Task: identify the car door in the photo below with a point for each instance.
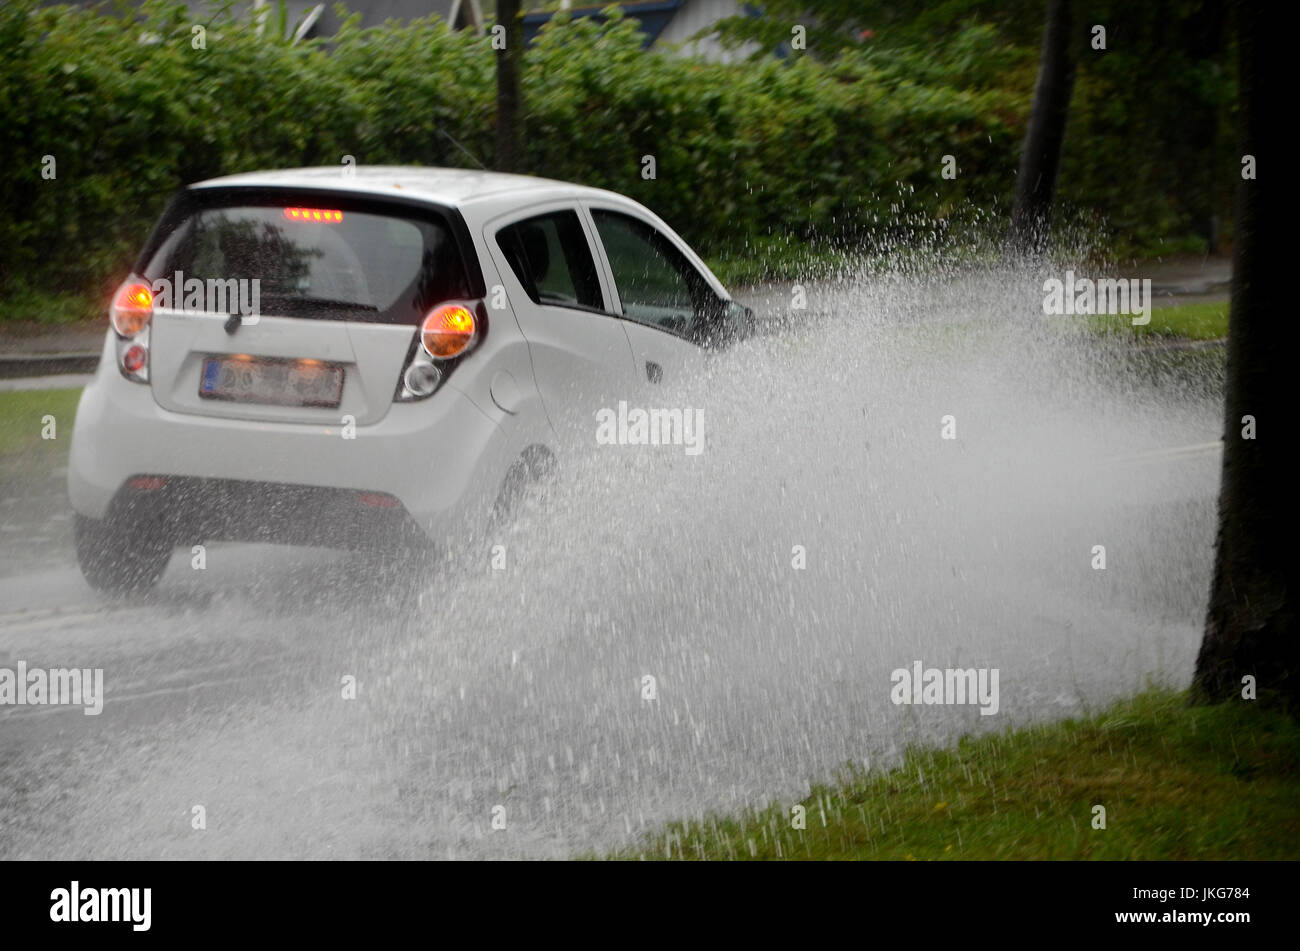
(582, 358)
(670, 307)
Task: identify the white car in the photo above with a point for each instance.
(369, 357)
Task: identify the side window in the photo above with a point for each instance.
(552, 259)
(656, 283)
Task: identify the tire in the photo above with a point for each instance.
(112, 563)
(528, 475)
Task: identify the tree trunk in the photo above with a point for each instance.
(1040, 156)
(509, 63)
(1250, 627)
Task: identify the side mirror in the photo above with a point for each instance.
(728, 322)
(740, 320)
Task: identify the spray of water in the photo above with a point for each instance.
(676, 635)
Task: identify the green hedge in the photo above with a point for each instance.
(746, 155)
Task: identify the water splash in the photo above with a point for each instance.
(520, 695)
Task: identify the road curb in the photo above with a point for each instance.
(47, 364)
(1180, 344)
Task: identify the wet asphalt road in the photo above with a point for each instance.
(523, 690)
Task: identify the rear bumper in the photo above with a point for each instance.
(185, 510)
(441, 459)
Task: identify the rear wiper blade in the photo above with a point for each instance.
(298, 305)
(308, 303)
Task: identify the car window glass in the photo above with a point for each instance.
(552, 259)
(349, 264)
(654, 279)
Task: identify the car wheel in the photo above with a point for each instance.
(526, 477)
(113, 562)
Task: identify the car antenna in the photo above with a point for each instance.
(463, 149)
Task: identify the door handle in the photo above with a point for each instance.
(653, 371)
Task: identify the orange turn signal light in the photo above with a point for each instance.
(448, 331)
(132, 307)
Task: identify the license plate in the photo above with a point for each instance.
(276, 382)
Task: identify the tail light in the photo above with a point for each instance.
(131, 315)
(134, 358)
(447, 333)
(421, 379)
(132, 307)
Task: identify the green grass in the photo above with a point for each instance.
(775, 260)
(1177, 782)
(23, 452)
(49, 309)
(1200, 321)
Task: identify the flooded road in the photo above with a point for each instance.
(664, 635)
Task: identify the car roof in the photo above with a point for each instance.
(446, 186)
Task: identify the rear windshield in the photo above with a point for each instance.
(322, 256)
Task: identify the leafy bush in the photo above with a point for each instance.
(1149, 146)
(745, 155)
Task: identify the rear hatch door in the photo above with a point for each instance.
(279, 305)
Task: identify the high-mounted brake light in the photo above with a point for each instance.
(313, 214)
(447, 331)
(132, 307)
